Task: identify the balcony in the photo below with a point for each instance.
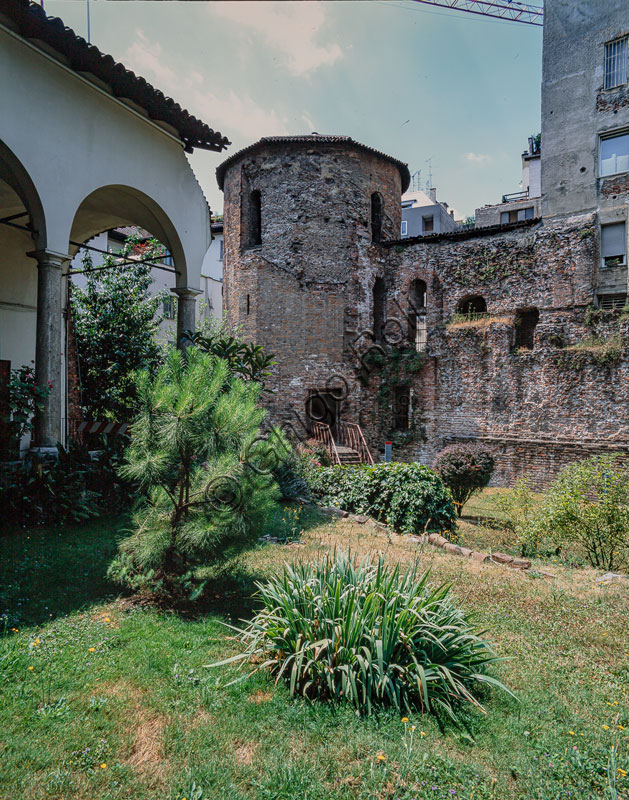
(515, 196)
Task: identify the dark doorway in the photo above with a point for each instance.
(323, 405)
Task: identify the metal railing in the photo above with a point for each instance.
(348, 434)
(515, 196)
(322, 433)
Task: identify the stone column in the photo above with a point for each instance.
(186, 311)
(48, 344)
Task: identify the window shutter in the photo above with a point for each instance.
(613, 240)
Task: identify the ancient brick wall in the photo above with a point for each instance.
(306, 293)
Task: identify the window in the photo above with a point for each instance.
(248, 305)
(429, 224)
(404, 227)
(472, 306)
(614, 154)
(379, 304)
(255, 219)
(377, 208)
(517, 215)
(401, 404)
(220, 249)
(169, 308)
(526, 320)
(417, 330)
(613, 245)
(616, 63)
(612, 302)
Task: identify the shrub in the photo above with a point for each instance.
(520, 508)
(410, 498)
(46, 491)
(465, 469)
(588, 505)
(25, 399)
(369, 636)
(198, 457)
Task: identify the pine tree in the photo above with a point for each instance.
(203, 469)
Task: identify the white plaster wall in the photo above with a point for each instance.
(74, 139)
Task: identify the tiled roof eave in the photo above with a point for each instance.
(29, 20)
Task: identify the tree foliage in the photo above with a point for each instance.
(115, 325)
(203, 469)
(245, 359)
(465, 469)
(588, 505)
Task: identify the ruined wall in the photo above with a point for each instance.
(306, 293)
(538, 408)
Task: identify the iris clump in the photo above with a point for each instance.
(370, 636)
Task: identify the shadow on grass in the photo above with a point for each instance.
(49, 572)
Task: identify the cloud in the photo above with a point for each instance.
(289, 28)
(236, 115)
(477, 158)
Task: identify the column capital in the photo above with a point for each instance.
(49, 257)
(186, 291)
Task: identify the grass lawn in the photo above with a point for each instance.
(101, 697)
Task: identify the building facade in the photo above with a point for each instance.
(495, 334)
(85, 146)
(423, 215)
(523, 204)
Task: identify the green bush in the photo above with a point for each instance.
(204, 470)
(588, 505)
(410, 498)
(520, 508)
(48, 491)
(465, 469)
(368, 636)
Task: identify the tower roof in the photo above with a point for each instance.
(313, 138)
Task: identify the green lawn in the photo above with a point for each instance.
(103, 697)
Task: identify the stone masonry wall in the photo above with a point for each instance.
(306, 293)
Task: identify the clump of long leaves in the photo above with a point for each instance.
(370, 636)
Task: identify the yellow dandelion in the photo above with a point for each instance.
(31, 668)
(621, 727)
(107, 619)
(103, 765)
(623, 772)
(381, 757)
(606, 727)
(572, 733)
(405, 719)
(422, 734)
(91, 649)
(15, 630)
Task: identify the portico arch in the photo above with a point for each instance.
(115, 206)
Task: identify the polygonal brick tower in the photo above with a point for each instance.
(303, 219)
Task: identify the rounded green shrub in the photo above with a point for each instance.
(410, 498)
(369, 636)
(465, 469)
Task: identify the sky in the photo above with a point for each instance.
(447, 92)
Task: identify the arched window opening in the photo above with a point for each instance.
(377, 211)
(472, 306)
(379, 309)
(526, 320)
(255, 219)
(417, 329)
